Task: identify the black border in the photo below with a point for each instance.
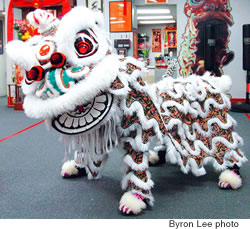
(1, 36)
(131, 18)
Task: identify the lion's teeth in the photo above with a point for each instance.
(69, 122)
(89, 118)
(82, 121)
(99, 106)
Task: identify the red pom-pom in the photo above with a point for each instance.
(36, 73)
(57, 60)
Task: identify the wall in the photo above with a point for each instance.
(9, 63)
(80, 2)
(3, 83)
(240, 12)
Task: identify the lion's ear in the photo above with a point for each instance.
(99, 19)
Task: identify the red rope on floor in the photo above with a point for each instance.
(19, 132)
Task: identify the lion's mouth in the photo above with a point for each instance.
(86, 43)
(216, 15)
(85, 117)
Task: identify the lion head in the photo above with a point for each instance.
(68, 65)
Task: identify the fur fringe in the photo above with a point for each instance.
(97, 142)
(144, 185)
(137, 167)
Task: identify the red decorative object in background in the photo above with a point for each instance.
(11, 95)
(35, 4)
(156, 40)
(120, 22)
(125, 7)
(19, 97)
(135, 42)
(170, 37)
(19, 75)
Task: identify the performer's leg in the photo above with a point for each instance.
(137, 182)
(74, 168)
(157, 156)
(84, 165)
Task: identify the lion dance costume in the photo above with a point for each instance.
(97, 100)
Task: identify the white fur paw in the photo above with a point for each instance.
(129, 203)
(69, 169)
(153, 157)
(229, 179)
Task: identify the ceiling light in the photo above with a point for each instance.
(3, 13)
(153, 11)
(157, 22)
(154, 17)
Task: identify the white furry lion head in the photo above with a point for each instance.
(67, 65)
(70, 47)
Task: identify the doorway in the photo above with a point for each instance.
(157, 36)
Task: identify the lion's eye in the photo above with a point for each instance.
(85, 43)
(196, 3)
(83, 46)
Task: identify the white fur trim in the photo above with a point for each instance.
(230, 177)
(98, 80)
(141, 184)
(132, 202)
(194, 87)
(153, 157)
(132, 164)
(223, 83)
(69, 167)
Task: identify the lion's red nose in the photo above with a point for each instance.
(36, 73)
(57, 60)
